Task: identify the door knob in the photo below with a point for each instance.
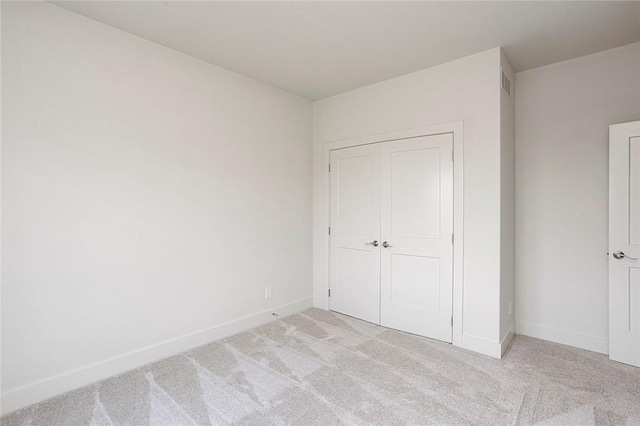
(373, 243)
(616, 254)
(386, 245)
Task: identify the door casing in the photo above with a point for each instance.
(455, 128)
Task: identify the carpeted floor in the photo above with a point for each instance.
(319, 367)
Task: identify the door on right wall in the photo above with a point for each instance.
(624, 243)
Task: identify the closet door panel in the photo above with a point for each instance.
(417, 228)
(354, 277)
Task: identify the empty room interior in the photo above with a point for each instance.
(320, 212)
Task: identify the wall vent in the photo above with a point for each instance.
(506, 83)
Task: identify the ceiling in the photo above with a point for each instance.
(320, 48)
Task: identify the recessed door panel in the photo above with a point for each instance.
(634, 301)
(355, 194)
(634, 191)
(415, 193)
(354, 271)
(415, 282)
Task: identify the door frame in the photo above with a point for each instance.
(455, 128)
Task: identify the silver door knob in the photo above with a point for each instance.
(618, 255)
(386, 245)
(373, 243)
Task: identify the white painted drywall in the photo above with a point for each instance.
(507, 205)
(146, 194)
(563, 113)
(466, 89)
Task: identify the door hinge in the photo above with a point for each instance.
(451, 321)
(452, 239)
(329, 168)
(452, 156)
(329, 292)
(329, 230)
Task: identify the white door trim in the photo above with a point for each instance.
(456, 128)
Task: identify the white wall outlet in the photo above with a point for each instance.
(267, 293)
(510, 307)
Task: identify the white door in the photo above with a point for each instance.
(624, 243)
(355, 232)
(416, 234)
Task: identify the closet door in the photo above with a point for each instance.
(624, 243)
(354, 276)
(416, 233)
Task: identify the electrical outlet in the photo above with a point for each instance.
(510, 307)
(267, 293)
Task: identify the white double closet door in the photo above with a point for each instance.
(391, 237)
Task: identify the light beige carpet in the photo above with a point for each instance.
(323, 368)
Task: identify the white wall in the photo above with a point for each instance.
(507, 205)
(147, 195)
(466, 89)
(563, 112)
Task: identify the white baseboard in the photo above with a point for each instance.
(482, 345)
(565, 337)
(23, 396)
(506, 340)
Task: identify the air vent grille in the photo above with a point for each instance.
(506, 84)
